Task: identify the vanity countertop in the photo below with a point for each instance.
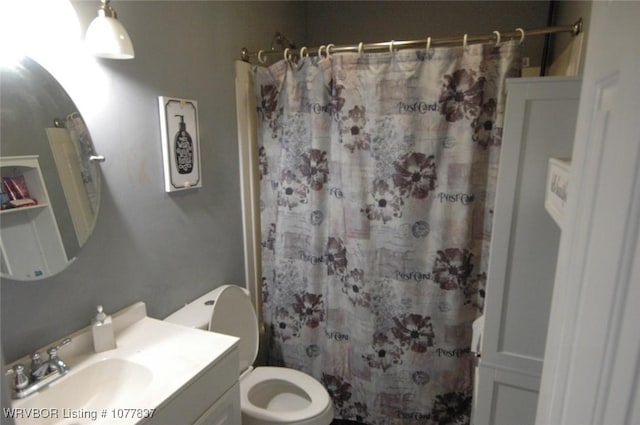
(154, 361)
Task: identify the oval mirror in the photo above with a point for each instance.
(50, 189)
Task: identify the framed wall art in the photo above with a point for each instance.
(180, 143)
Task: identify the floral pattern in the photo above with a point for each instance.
(335, 93)
(284, 326)
(336, 256)
(315, 168)
(354, 287)
(484, 130)
(269, 241)
(310, 309)
(384, 204)
(383, 353)
(268, 99)
(268, 109)
(452, 268)
(292, 191)
(354, 135)
(415, 175)
(414, 332)
(373, 266)
(263, 167)
(355, 411)
(339, 390)
(452, 408)
(462, 94)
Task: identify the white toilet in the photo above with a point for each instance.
(269, 395)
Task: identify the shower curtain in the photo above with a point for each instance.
(377, 179)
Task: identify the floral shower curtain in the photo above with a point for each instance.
(378, 176)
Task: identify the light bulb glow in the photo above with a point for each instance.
(36, 28)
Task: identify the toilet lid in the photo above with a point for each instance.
(233, 314)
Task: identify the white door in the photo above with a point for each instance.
(592, 357)
(540, 119)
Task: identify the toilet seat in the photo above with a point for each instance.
(303, 399)
(268, 395)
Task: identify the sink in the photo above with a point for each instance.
(119, 382)
(129, 385)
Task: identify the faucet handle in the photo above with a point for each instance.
(53, 350)
(38, 367)
(53, 359)
(36, 359)
(20, 381)
(55, 362)
(63, 343)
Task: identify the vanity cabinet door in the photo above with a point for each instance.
(225, 411)
(198, 400)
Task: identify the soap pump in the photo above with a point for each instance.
(103, 334)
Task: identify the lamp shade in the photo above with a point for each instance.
(107, 38)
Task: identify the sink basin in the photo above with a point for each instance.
(119, 383)
(132, 384)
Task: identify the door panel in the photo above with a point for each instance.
(539, 124)
(592, 358)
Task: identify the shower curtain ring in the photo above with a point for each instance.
(497, 33)
(521, 31)
(320, 49)
(329, 47)
(428, 44)
(261, 57)
(304, 50)
(360, 48)
(287, 57)
(464, 42)
(391, 46)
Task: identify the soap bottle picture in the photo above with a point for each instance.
(183, 148)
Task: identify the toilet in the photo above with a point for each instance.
(268, 395)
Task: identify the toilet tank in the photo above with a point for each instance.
(227, 310)
(197, 313)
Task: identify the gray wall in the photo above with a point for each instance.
(164, 249)
(352, 22)
(167, 249)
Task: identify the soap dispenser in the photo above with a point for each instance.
(104, 337)
(184, 148)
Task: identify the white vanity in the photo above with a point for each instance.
(160, 373)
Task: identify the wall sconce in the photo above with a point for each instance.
(106, 36)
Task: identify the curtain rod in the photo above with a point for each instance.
(496, 36)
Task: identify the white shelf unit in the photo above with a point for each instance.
(30, 241)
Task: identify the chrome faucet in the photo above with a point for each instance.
(41, 374)
(55, 362)
(38, 367)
